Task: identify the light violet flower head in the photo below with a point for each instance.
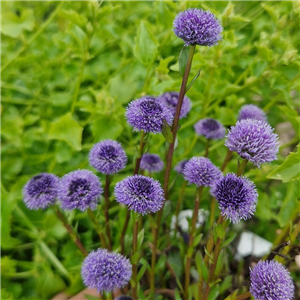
(237, 197)
(198, 27)
(40, 191)
(253, 140)
(180, 166)
(142, 194)
(147, 114)
(270, 280)
(108, 157)
(151, 163)
(79, 189)
(201, 171)
(251, 111)
(106, 270)
(170, 100)
(210, 128)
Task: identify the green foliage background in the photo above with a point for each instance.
(68, 72)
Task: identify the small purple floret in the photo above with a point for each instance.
(270, 280)
(210, 128)
(151, 163)
(198, 27)
(180, 166)
(106, 270)
(40, 191)
(253, 140)
(140, 193)
(79, 189)
(251, 111)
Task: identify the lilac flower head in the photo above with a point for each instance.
(253, 140)
(40, 191)
(140, 193)
(180, 166)
(210, 128)
(251, 111)
(201, 171)
(170, 100)
(79, 189)
(237, 197)
(106, 270)
(147, 114)
(270, 280)
(108, 157)
(198, 27)
(151, 163)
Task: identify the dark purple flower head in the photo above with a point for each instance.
(40, 191)
(151, 163)
(180, 166)
(140, 193)
(79, 189)
(237, 197)
(170, 100)
(201, 171)
(253, 140)
(270, 280)
(198, 27)
(251, 111)
(147, 114)
(106, 270)
(108, 157)
(210, 128)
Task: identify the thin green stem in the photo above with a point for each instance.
(106, 211)
(97, 227)
(206, 148)
(178, 206)
(134, 263)
(241, 167)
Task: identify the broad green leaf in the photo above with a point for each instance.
(106, 128)
(140, 238)
(167, 132)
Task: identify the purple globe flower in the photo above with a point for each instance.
(106, 270)
(108, 157)
(201, 171)
(79, 189)
(253, 140)
(210, 128)
(251, 111)
(180, 166)
(198, 27)
(151, 163)
(270, 280)
(148, 115)
(237, 197)
(170, 100)
(40, 191)
(140, 193)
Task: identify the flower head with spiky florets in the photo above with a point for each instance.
(106, 270)
(210, 128)
(170, 100)
(237, 197)
(251, 111)
(198, 27)
(140, 193)
(148, 114)
(270, 280)
(108, 157)
(201, 171)
(180, 166)
(40, 191)
(151, 163)
(253, 140)
(79, 189)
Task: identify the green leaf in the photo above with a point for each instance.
(229, 240)
(106, 128)
(135, 257)
(90, 297)
(226, 284)
(145, 266)
(68, 130)
(198, 260)
(193, 81)
(220, 231)
(197, 240)
(140, 239)
(183, 58)
(167, 132)
(204, 271)
(177, 295)
(214, 293)
(74, 17)
(258, 67)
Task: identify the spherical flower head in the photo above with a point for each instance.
(140, 193)
(79, 189)
(251, 111)
(270, 280)
(106, 270)
(40, 191)
(170, 100)
(201, 171)
(198, 27)
(237, 197)
(147, 114)
(180, 166)
(253, 140)
(108, 157)
(210, 128)
(151, 163)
